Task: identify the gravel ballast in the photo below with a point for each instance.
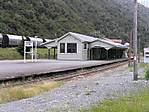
(81, 93)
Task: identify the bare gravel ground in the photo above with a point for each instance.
(81, 93)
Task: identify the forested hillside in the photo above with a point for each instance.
(53, 18)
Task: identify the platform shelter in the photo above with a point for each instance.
(75, 46)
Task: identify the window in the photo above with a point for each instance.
(147, 53)
(62, 47)
(71, 48)
(85, 46)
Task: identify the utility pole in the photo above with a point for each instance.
(139, 50)
(135, 42)
(130, 48)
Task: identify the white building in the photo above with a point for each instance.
(74, 46)
(146, 55)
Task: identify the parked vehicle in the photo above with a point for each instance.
(7, 40)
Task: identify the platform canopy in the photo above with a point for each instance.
(50, 44)
(99, 44)
(107, 44)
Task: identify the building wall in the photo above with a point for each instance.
(71, 56)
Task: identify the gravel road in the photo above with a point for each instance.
(80, 93)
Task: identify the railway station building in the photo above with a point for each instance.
(75, 46)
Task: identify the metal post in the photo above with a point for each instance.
(99, 53)
(90, 54)
(107, 55)
(32, 53)
(135, 67)
(24, 52)
(87, 53)
(36, 49)
(54, 53)
(139, 50)
(129, 56)
(115, 54)
(49, 54)
(130, 48)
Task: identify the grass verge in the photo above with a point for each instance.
(147, 73)
(136, 103)
(146, 69)
(26, 91)
(9, 53)
(12, 54)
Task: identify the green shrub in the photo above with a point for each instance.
(143, 65)
(147, 73)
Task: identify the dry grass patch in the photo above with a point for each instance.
(26, 91)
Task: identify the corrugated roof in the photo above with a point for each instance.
(108, 41)
(89, 39)
(45, 43)
(83, 38)
(48, 40)
(52, 43)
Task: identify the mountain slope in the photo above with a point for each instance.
(53, 18)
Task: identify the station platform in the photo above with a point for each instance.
(10, 69)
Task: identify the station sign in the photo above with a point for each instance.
(146, 55)
(28, 43)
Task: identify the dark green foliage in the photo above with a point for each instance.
(53, 18)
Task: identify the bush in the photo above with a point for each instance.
(147, 74)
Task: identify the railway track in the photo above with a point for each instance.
(91, 71)
(62, 76)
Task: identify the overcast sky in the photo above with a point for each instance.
(144, 2)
